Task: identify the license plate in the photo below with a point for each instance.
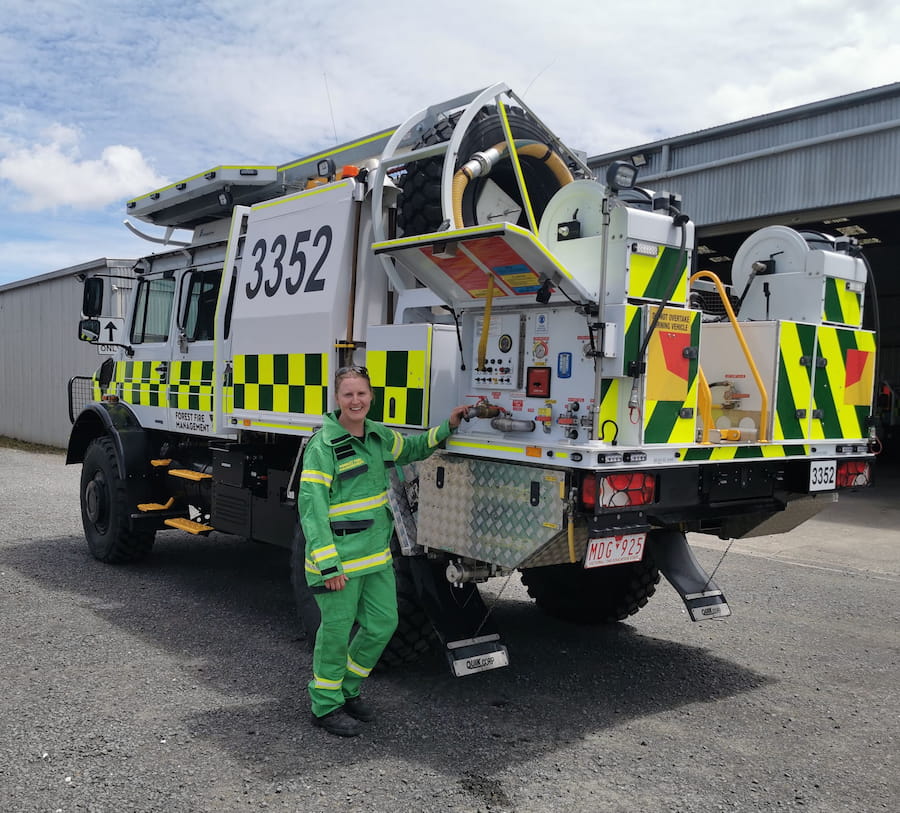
(615, 550)
(822, 475)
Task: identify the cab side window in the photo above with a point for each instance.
(153, 311)
(201, 293)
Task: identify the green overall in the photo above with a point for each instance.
(347, 524)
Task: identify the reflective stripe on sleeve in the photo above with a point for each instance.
(397, 448)
(355, 565)
(313, 476)
(353, 506)
(325, 552)
(433, 437)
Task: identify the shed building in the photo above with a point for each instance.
(39, 350)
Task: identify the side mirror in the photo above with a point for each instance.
(89, 329)
(92, 299)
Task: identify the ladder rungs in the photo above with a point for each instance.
(189, 525)
(155, 506)
(159, 463)
(190, 474)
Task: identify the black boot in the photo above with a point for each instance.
(358, 709)
(338, 722)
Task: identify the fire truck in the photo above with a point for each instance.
(620, 396)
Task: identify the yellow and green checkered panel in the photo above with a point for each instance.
(399, 386)
(281, 382)
(141, 383)
(191, 385)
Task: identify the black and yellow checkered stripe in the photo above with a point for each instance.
(650, 277)
(756, 452)
(191, 385)
(280, 382)
(400, 386)
(841, 306)
(142, 383)
(675, 421)
(793, 394)
(837, 418)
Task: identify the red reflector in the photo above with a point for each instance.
(853, 473)
(589, 491)
(628, 488)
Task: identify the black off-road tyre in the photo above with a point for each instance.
(419, 206)
(106, 507)
(304, 600)
(415, 635)
(599, 595)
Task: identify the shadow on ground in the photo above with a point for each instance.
(225, 607)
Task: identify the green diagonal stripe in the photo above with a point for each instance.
(661, 281)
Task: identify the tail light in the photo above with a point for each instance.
(853, 473)
(618, 490)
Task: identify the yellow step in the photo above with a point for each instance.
(190, 474)
(159, 463)
(155, 506)
(189, 525)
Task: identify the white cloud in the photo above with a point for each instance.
(53, 173)
(185, 86)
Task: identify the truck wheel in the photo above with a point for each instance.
(419, 207)
(106, 507)
(414, 636)
(304, 601)
(596, 596)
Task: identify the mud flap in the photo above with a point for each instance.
(469, 637)
(676, 561)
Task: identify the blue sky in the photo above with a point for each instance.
(102, 101)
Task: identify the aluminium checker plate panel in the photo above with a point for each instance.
(494, 512)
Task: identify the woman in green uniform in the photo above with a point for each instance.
(347, 526)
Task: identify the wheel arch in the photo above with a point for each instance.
(118, 422)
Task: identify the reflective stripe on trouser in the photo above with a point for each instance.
(339, 664)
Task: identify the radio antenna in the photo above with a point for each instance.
(328, 94)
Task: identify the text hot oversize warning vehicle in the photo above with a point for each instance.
(620, 395)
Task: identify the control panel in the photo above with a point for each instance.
(502, 367)
(538, 372)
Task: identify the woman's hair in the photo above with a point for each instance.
(351, 371)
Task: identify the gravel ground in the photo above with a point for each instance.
(179, 684)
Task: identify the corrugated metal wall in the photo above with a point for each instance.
(835, 173)
(832, 153)
(40, 352)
